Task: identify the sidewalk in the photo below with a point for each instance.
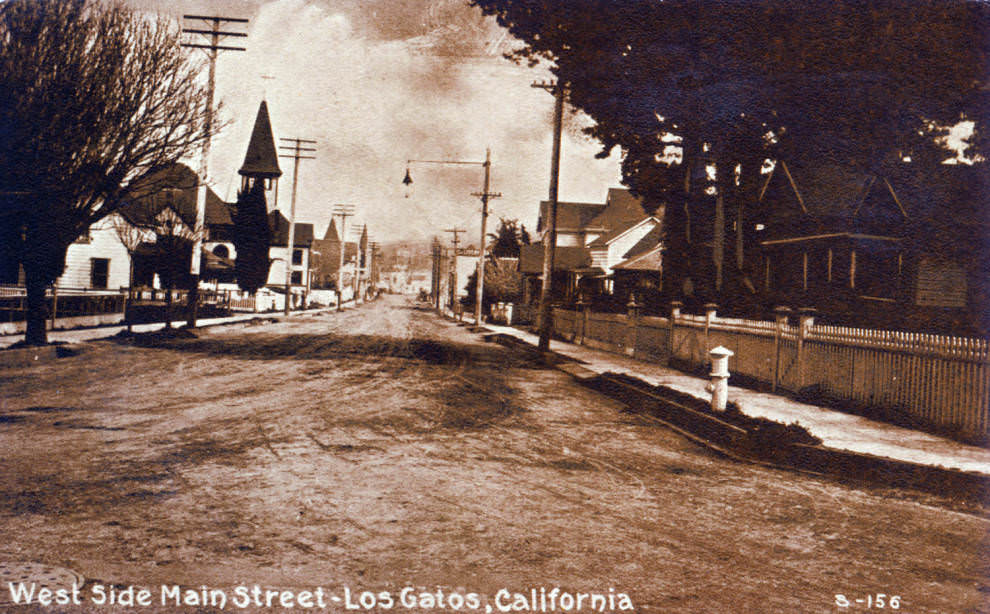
(836, 429)
(79, 335)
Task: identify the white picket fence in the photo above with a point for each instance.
(939, 379)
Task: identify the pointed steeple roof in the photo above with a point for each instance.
(261, 159)
(331, 233)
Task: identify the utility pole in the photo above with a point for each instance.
(453, 282)
(484, 195)
(296, 155)
(344, 211)
(435, 285)
(359, 231)
(213, 49)
(373, 264)
(550, 236)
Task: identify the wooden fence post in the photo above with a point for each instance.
(580, 321)
(632, 321)
(675, 312)
(710, 315)
(806, 319)
(780, 319)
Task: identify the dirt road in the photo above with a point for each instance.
(383, 448)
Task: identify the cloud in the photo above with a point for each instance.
(378, 81)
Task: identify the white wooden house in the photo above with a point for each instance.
(98, 260)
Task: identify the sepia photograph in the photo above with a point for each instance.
(486, 306)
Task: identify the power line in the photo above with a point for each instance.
(213, 48)
(296, 155)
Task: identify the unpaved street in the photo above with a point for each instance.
(382, 448)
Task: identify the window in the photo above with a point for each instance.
(99, 272)
(221, 251)
(297, 256)
(297, 277)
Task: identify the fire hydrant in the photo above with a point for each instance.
(719, 386)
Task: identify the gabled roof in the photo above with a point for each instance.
(826, 191)
(619, 230)
(175, 188)
(570, 215)
(621, 207)
(568, 258)
(303, 232)
(957, 194)
(218, 212)
(261, 159)
(650, 260)
(650, 240)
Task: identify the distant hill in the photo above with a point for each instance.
(414, 255)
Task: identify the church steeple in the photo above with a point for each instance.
(261, 159)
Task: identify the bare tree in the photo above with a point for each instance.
(131, 236)
(93, 98)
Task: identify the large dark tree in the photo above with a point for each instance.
(93, 97)
(173, 257)
(856, 82)
(252, 238)
(506, 239)
(503, 283)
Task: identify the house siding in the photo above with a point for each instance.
(570, 239)
(618, 248)
(600, 258)
(940, 284)
(103, 243)
(276, 274)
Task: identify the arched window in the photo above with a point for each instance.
(221, 251)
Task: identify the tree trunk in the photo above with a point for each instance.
(168, 306)
(740, 238)
(37, 309)
(130, 291)
(718, 230)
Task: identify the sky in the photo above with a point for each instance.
(377, 82)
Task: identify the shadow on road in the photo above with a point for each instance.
(310, 347)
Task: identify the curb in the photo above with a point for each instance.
(29, 356)
(736, 443)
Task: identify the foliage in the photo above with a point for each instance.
(503, 283)
(173, 256)
(856, 82)
(524, 238)
(507, 239)
(93, 97)
(252, 238)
